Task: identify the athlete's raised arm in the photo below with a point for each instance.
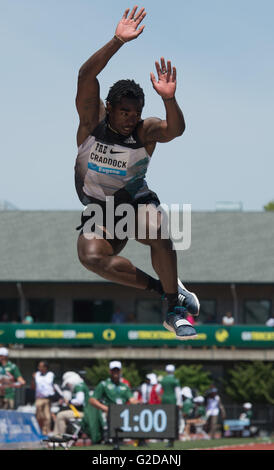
(88, 92)
(157, 130)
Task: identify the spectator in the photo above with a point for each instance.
(188, 405)
(79, 399)
(105, 394)
(111, 390)
(228, 319)
(171, 387)
(43, 384)
(187, 410)
(155, 397)
(247, 411)
(150, 390)
(125, 381)
(199, 407)
(10, 378)
(28, 319)
(270, 321)
(214, 409)
(199, 415)
(118, 316)
(171, 391)
(145, 390)
(150, 394)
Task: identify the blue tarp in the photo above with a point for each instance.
(18, 430)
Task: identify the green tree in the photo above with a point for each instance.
(250, 382)
(97, 372)
(100, 371)
(269, 206)
(192, 376)
(131, 373)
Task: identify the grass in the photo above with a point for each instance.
(182, 445)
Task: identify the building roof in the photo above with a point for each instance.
(225, 247)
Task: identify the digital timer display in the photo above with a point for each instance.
(143, 421)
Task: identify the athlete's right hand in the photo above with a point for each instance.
(127, 27)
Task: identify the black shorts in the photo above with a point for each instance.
(121, 197)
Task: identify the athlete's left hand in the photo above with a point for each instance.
(166, 84)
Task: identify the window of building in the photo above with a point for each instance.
(92, 311)
(149, 311)
(208, 311)
(257, 311)
(9, 310)
(41, 310)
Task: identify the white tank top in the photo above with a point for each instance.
(44, 384)
(108, 162)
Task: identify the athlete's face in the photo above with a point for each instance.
(124, 116)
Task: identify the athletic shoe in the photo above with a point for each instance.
(189, 300)
(176, 323)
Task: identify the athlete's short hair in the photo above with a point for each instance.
(125, 89)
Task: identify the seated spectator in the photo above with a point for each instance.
(199, 407)
(75, 406)
(28, 319)
(246, 412)
(118, 316)
(270, 321)
(228, 319)
(187, 411)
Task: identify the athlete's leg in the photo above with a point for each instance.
(163, 257)
(164, 261)
(101, 257)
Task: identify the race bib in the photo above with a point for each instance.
(108, 159)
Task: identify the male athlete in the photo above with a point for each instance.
(115, 146)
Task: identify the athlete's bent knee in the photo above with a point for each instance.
(92, 261)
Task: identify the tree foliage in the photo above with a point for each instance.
(192, 376)
(100, 371)
(250, 382)
(269, 206)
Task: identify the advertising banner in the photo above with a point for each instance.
(143, 335)
(19, 430)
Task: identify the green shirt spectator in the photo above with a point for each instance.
(81, 387)
(187, 407)
(171, 387)
(199, 407)
(12, 369)
(109, 392)
(112, 390)
(8, 369)
(247, 411)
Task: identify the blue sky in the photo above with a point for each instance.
(223, 51)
